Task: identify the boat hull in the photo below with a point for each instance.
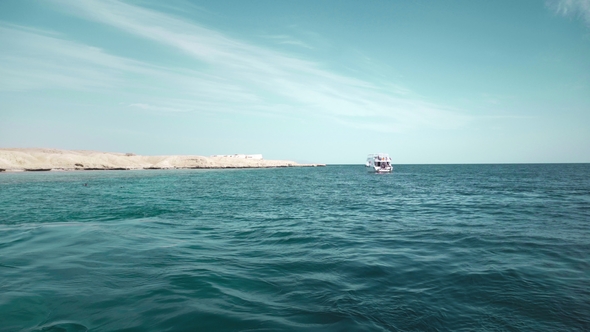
(383, 172)
(380, 170)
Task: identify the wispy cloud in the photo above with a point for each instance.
(288, 40)
(236, 76)
(579, 8)
(148, 107)
(33, 59)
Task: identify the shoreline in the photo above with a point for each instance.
(55, 160)
(148, 168)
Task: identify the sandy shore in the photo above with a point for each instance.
(14, 160)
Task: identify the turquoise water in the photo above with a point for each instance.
(427, 248)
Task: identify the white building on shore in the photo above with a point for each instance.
(242, 156)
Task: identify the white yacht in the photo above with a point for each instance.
(379, 163)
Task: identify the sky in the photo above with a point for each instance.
(330, 81)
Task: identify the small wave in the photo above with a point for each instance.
(62, 327)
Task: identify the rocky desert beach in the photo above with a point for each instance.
(36, 159)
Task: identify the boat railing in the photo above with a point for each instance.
(379, 156)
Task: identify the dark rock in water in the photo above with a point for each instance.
(37, 169)
(117, 169)
(94, 169)
(152, 168)
(2, 170)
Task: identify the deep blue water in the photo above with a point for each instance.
(427, 248)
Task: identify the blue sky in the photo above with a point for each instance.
(319, 81)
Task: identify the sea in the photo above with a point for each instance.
(499, 247)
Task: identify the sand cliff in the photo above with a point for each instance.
(69, 160)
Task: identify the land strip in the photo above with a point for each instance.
(32, 159)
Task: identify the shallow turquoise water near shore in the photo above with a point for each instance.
(427, 248)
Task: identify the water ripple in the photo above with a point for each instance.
(427, 248)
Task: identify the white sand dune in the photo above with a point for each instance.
(54, 159)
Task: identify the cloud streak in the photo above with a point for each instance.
(149, 107)
(234, 76)
(288, 40)
(579, 8)
(33, 59)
